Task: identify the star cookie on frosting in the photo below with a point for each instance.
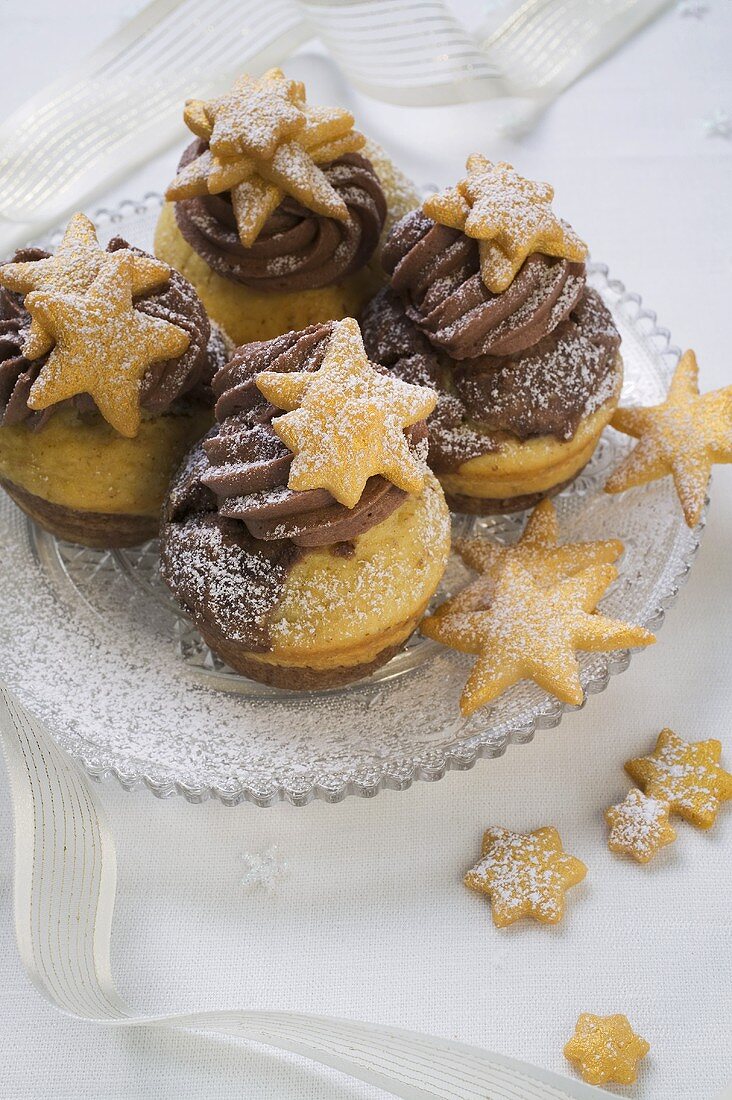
(264, 142)
(684, 437)
(345, 422)
(639, 826)
(532, 632)
(103, 345)
(605, 1048)
(524, 875)
(73, 268)
(686, 775)
(538, 551)
(510, 217)
(255, 116)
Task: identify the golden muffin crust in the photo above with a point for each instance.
(341, 615)
(87, 466)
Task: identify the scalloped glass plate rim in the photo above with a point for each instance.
(464, 753)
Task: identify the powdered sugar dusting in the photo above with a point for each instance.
(639, 826)
(377, 584)
(510, 216)
(686, 775)
(264, 142)
(525, 874)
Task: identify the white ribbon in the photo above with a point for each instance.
(123, 103)
(64, 885)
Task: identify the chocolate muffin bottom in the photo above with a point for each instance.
(299, 678)
(103, 531)
(486, 506)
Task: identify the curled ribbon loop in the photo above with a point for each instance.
(65, 878)
(123, 103)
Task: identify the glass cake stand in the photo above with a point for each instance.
(92, 644)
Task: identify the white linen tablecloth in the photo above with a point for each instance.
(372, 920)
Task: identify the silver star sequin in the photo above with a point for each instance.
(717, 124)
(264, 870)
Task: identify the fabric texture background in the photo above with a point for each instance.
(372, 920)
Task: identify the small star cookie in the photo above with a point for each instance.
(683, 437)
(524, 875)
(605, 1048)
(73, 268)
(537, 550)
(103, 345)
(532, 632)
(345, 422)
(686, 775)
(511, 217)
(639, 826)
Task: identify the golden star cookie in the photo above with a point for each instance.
(345, 422)
(605, 1048)
(265, 142)
(524, 875)
(532, 632)
(255, 116)
(539, 552)
(511, 217)
(683, 437)
(686, 775)
(103, 345)
(639, 826)
(73, 268)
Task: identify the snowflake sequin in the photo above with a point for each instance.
(693, 8)
(264, 870)
(718, 124)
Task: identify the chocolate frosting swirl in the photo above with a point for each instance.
(296, 249)
(166, 381)
(243, 467)
(436, 272)
(543, 390)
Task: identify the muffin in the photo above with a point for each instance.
(278, 209)
(488, 303)
(106, 360)
(305, 535)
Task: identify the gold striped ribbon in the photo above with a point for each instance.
(64, 891)
(123, 103)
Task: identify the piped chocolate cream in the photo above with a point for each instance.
(297, 249)
(436, 272)
(165, 383)
(231, 524)
(530, 361)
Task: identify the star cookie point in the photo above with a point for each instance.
(533, 632)
(102, 345)
(509, 216)
(345, 422)
(682, 437)
(639, 826)
(524, 875)
(255, 116)
(605, 1049)
(686, 775)
(537, 549)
